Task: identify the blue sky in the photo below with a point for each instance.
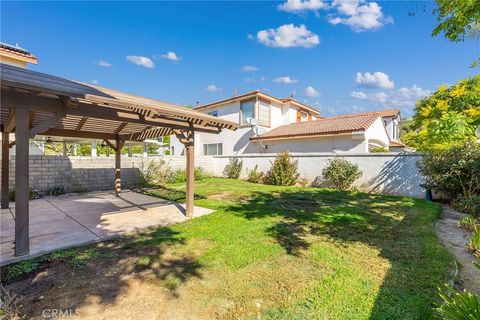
(340, 57)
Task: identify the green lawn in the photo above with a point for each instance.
(274, 252)
(317, 253)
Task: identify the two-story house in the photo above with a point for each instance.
(393, 121)
(285, 124)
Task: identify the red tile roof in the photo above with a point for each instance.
(17, 52)
(252, 94)
(324, 126)
(389, 112)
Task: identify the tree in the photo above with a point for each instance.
(449, 116)
(457, 19)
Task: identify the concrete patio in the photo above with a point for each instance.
(77, 219)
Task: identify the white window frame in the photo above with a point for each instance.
(218, 147)
(269, 108)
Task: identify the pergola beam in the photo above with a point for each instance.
(46, 124)
(10, 125)
(53, 105)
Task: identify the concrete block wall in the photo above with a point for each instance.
(389, 173)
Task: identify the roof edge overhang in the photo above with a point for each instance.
(303, 136)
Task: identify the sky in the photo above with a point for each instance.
(341, 56)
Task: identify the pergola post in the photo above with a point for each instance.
(65, 151)
(144, 149)
(94, 148)
(118, 163)
(188, 141)
(5, 168)
(22, 193)
(130, 150)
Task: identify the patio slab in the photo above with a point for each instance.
(77, 219)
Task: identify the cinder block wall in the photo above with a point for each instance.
(388, 173)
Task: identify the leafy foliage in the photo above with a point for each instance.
(468, 223)
(284, 171)
(468, 204)
(454, 171)
(181, 175)
(473, 244)
(233, 168)
(255, 176)
(447, 117)
(458, 19)
(457, 306)
(378, 149)
(154, 171)
(340, 173)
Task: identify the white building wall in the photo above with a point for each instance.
(339, 144)
(376, 134)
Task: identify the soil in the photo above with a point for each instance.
(455, 240)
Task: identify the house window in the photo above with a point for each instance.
(212, 149)
(213, 113)
(263, 114)
(304, 116)
(247, 110)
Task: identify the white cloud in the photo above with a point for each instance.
(285, 80)
(213, 88)
(94, 81)
(288, 36)
(301, 5)
(262, 78)
(102, 63)
(141, 61)
(358, 95)
(311, 92)
(172, 56)
(359, 15)
(403, 97)
(375, 80)
(248, 68)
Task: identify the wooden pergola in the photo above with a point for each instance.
(35, 103)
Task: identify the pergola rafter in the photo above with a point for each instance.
(35, 103)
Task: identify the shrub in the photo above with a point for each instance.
(284, 171)
(378, 149)
(32, 194)
(179, 176)
(473, 244)
(454, 171)
(468, 223)
(153, 171)
(233, 168)
(57, 191)
(340, 173)
(255, 176)
(457, 305)
(468, 204)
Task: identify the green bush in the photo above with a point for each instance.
(468, 204)
(468, 223)
(179, 176)
(233, 168)
(454, 171)
(255, 176)
(340, 173)
(57, 191)
(458, 306)
(473, 244)
(284, 171)
(32, 194)
(154, 171)
(378, 149)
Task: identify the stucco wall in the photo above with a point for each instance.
(390, 173)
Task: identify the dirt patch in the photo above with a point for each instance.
(455, 240)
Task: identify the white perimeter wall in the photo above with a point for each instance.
(389, 173)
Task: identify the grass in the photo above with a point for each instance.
(276, 253)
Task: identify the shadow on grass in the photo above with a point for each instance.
(400, 228)
(58, 283)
